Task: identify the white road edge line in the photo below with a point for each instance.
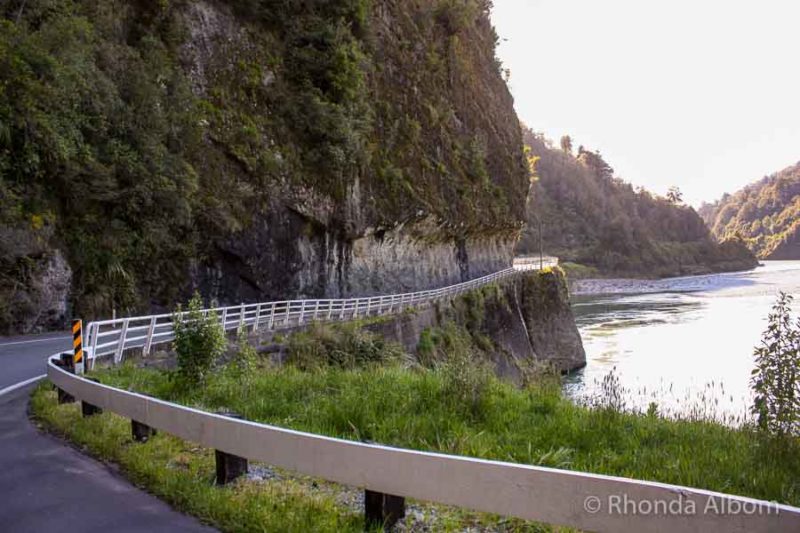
(21, 384)
(31, 342)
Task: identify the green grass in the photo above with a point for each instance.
(418, 409)
(579, 271)
(182, 474)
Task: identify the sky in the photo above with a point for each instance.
(701, 94)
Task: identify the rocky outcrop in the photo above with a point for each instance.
(517, 323)
(442, 203)
(257, 150)
(34, 281)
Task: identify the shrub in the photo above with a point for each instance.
(245, 359)
(451, 351)
(774, 381)
(199, 341)
(344, 346)
(611, 397)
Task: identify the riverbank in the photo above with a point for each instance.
(609, 286)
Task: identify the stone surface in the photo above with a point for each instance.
(528, 319)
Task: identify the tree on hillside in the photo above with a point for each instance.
(595, 161)
(674, 195)
(566, 144)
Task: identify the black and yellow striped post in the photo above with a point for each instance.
(77, 345)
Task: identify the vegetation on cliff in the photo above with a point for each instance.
(592, 218)
(765, 214)
(140, 139)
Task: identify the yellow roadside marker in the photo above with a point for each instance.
(77, 342)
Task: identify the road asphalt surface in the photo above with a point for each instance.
(47, 486)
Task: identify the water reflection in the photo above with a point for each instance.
(684, 343)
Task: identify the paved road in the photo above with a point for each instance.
(22, 358)
(46, 486)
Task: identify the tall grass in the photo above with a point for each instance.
(416, 408)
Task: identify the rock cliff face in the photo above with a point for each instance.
(253, 149)
(517, 323)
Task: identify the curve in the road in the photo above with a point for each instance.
(47, 486)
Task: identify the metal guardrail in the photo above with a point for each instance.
(115, 337)
(586, 501)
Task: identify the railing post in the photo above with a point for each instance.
(224, 319)
(382, 510)
(369, 305)
(229, 467)
(288, 308)
(94, 331)
(258, 318)
(141, 432)
(121, 342)
(316, 310)
(271, 316)
(330, 310)
(302, 313)
(148, 342)
(241, 316)
(65, 361)
(88, 409)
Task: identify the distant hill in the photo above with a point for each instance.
(765, 214)
(597, 220)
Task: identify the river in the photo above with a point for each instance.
(684, 343)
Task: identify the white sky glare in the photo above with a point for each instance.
(702, 94)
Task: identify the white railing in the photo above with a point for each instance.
(115, 337)
(582, 500)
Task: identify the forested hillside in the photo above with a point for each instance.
(595, 219)
(251, 149)
(765, 214)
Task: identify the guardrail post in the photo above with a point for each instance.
(141, 432)
(94, 330)
(121, 342)
(224, 319)
(241, 316)
(229, 467)
(148, 342)
(382, 510)
(88, 409)
(257, 322)
(65, 361)
(271, 316)
(302, 313)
